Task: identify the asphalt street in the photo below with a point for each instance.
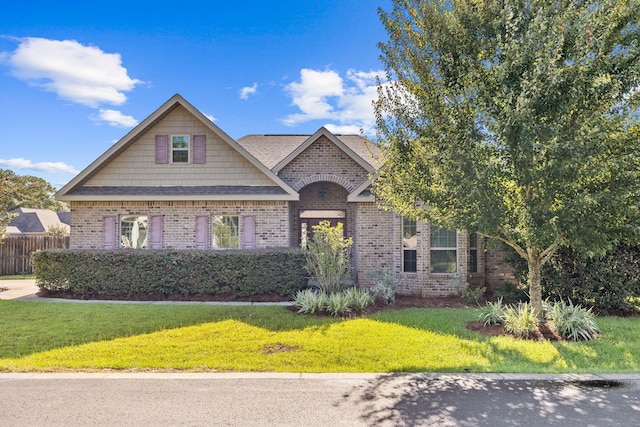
(245, 399)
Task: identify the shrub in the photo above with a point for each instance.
(511, 293)
(338, 304)
(493, 313)
(520, 320)
(384, 286)
(327, 255)
(139, 273)
(573, 321)
(359, 298)
(309, 301)
(473, 295)
(608, 283)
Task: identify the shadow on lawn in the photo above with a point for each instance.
(468, 400)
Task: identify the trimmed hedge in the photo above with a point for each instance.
(140, 273)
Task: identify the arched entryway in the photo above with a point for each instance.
(321, 201)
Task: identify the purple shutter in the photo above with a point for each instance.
(155, 240)
(109, 232)
(202, 232)
(162, 149)
(199, 149)
(248, 232)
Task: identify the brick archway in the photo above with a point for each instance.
(323, 177)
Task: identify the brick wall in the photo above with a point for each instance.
(272, 220)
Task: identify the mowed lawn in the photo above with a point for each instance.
(93, 336)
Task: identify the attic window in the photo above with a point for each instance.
(180, 149)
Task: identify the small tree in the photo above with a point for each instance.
(327, 255)
(518, 120)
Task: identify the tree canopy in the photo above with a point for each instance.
(26, 191)
(516, 119)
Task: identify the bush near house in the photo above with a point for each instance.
(138, 273)
(609, 284)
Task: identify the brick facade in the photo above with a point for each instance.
(272, 220)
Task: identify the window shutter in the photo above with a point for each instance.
(248, 232)
(155, 241)
(109, 232)
(162, 149)
(202, 232)
(199, 149)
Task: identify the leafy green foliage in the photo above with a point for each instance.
(473, 295)
(132, 273)
(24, 192)
(608, 283)
(384, 286)
(520, 320)
(573, 322)
(327, 255)
(493, 313)
(359, 298)
(517, 120)
(511, 293)
(310, 301)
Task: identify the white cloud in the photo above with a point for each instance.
(248, 90)
(325, 95)
(115, 118)
(75, 72)
(21, 163)
(210, 117)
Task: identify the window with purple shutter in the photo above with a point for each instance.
(248, 232)
(162, 149)
(109, 232)
(155, 241)
(202, 231)
(199, 149)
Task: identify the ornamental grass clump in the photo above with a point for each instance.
(309, 301)
(573, 322)
(493, 313)
(520, 320)
(359, 298)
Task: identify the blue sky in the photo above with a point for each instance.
(74, 79)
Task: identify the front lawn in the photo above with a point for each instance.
(71, 336)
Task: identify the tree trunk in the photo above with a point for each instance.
(535, 289)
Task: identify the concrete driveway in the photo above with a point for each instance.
(22, 289)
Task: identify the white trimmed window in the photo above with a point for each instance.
(409, 246)
(133, 231)
(444, 253)
(225, 230)
(180, 149)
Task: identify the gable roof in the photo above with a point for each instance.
(35, 221)
(276, 151)
(75, 189)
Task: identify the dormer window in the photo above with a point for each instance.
(180, 149)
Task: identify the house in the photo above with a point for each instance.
(177, 181)
(37, 222)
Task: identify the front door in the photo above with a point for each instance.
(310, 218)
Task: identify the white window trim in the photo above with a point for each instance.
(445, 248)
(188, 149)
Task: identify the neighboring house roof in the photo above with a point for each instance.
(34, 221)
(275, 151)
(77, 188)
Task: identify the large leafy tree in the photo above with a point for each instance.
(517, 119)
(26, 191)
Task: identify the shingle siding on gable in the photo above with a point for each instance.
(222, 165)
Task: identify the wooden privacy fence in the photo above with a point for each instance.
(15, 251)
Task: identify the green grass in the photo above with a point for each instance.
(18, 276)
(70, 336)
